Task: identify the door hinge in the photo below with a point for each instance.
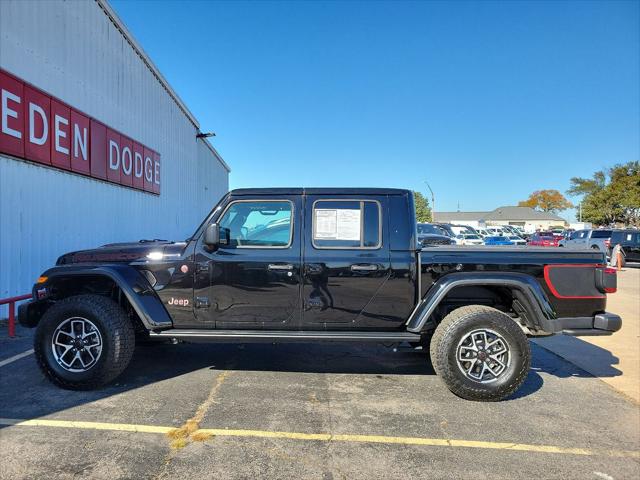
(202, 302)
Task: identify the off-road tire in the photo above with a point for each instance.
(118, 341)
(459, 323)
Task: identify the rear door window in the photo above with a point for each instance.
(601, 234)
(354, 224)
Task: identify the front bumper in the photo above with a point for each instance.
(29, 313)
(601, 324)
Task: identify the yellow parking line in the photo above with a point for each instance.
(326, 437)
(115, 427)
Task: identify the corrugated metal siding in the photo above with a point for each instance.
(73, 51)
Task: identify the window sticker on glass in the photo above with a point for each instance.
(326, 224)
(348, 225)
(337, 224)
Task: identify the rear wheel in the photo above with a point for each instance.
(83, 342)
(480, 353)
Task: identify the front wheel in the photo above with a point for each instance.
(84, 342)
(480, 353)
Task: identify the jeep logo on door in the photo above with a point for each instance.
(183, 302)
(38, 127)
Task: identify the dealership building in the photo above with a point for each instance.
(95, 145)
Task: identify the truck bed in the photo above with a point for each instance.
(508, 254)
(568, 293)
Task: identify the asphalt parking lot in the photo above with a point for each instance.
(310, 411)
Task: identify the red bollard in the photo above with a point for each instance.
(12, 311)
(12, 319)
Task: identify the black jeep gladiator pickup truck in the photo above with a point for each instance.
(307, 265)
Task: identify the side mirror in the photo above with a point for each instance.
(212, 235)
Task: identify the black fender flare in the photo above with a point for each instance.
(136, 288)
(526, 289)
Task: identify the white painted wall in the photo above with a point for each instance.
(73, 51)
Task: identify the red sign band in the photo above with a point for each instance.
(39, 127)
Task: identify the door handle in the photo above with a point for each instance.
(364, 267)
(202, 267)
(280, 266)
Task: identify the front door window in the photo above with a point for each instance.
(254, 224)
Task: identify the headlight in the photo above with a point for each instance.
(155, 255)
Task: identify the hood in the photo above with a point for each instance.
(122, 252)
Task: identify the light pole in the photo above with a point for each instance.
(580, 210)
(433, 203)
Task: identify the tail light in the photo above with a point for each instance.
(610, 280)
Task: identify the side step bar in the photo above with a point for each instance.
(244, 336)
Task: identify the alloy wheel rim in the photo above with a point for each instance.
(483, 355)
(76, 344)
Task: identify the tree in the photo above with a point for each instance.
(423, 210)
(547, 201)
(610, 196)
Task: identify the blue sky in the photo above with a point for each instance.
(487, 101)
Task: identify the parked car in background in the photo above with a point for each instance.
(517, 240)
(430, 235)
(446, 229)
(495, 231)
(510, 230)
(629, 240)
(497, 240)
(463, 230)
(566, 233)
(482, 232)
(599, 239)
(544, 239)
(469, 239)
